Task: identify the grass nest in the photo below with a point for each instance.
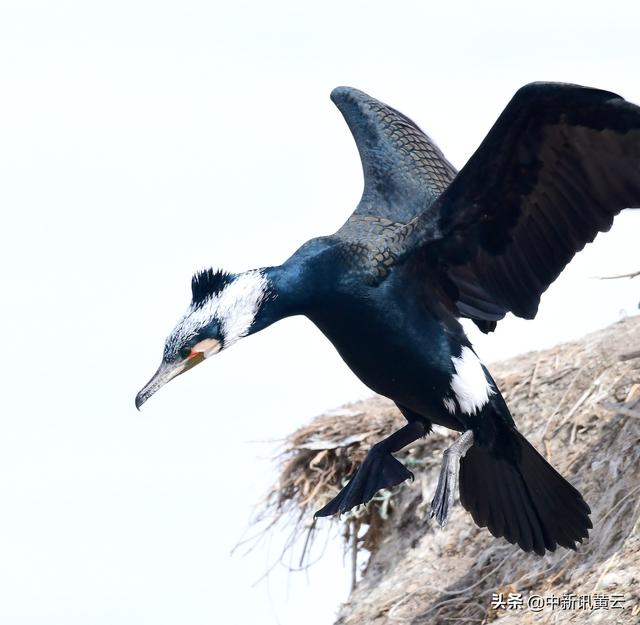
(578, 403)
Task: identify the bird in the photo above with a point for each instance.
(427, 246)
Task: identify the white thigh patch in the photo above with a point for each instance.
(450, 404)
(469, 383)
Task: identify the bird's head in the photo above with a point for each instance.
(223, 309)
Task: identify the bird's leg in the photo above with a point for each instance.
(448, 480)
(379, 470)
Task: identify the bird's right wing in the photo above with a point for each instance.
(404, 171)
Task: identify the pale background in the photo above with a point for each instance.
(140, 141)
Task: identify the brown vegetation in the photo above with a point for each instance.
(579, 403)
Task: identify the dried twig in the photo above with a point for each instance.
(577, 382)
(620, 409)
(633, 274)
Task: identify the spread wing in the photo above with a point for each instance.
(560, 162)
(404, 171)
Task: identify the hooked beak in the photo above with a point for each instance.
(169, 370)
(166, 371)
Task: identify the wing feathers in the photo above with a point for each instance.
(558, 165)
(404, 171)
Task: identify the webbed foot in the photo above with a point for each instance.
(379, 470)
(448, 480)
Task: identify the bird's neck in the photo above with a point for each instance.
(284, 296)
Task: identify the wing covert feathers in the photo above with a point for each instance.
(559, 163)
(404, 171)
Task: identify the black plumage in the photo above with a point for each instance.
(425, 246)
(207, 283)
(557, 166)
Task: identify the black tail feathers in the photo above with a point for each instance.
(522, 498)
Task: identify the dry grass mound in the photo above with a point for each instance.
(579, 403)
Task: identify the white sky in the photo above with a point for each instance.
(140, 141)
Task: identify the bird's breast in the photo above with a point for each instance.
(398, 350)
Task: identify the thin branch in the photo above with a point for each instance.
(633, 274)
(623, 410)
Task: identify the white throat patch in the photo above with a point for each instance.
(235, 307)
(469, 383)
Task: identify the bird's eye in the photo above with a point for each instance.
(185, 352)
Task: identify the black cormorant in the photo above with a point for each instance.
(425, 246)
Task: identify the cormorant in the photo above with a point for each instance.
(425, 246)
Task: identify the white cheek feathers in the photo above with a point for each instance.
(234, 308)
(237, 305)
(469, 383)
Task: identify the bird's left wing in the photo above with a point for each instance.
(560, 162)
